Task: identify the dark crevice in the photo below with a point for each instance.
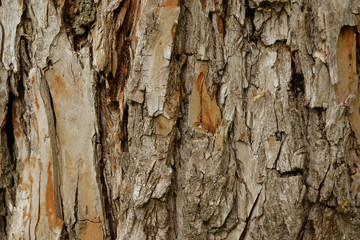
(292, 173)
(51, 105)
(279, 135)
(297, 84)
(2, 41)
(64, 235)
(76, 207)
(3, 213)
(249, 22)
(278, 155)
(109, 210)
(124, 132)
(78, 18)
(176, 167)
(25, 55)
(26, 41)
(8, 163)
(265, 4)
(323, 181)
(8, 167)
(177, 84)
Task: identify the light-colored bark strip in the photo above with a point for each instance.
(71, 84)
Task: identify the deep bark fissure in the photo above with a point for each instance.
(249, 23)
(9, 131)
(4, 212)
(124, 135)
(297, 79)
(2, 42)
(110, 221)
(248, 219)
(56, 170)
(72, 228)
(7, 184)
(358, 56)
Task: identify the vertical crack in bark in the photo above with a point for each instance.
(110, 221)
(358, 52)
(124, 135)
(49, 105)
(4, 212)
(109, 210)
(322, 182)
(297, 84)
(25, 55)
(100, 169)
(249, 218)
(249, 22)
(2, 41)
(72, 228)
(8, 166)
(8, 175)
(113, 112)
(110, 215)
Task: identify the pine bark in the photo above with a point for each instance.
(168, 119)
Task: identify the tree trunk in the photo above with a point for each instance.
(192, 119)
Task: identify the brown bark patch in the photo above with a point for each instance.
(54, 221)
(90, 230)
(219, 142)
(37, 103)
(59, 84)
(346, 64)
(35, 125)
(271, 141)
(203, 5)
(171, 3)
(347, 75)
(220, 24)
(163, 126)
(206, 114)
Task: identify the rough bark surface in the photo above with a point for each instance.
(190, 119)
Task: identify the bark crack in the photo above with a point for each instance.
(50, 112)
(249, 218)
(8, 165)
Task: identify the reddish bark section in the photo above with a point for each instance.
(209, 116)
(347, 86)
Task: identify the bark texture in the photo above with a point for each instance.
(190, 119)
